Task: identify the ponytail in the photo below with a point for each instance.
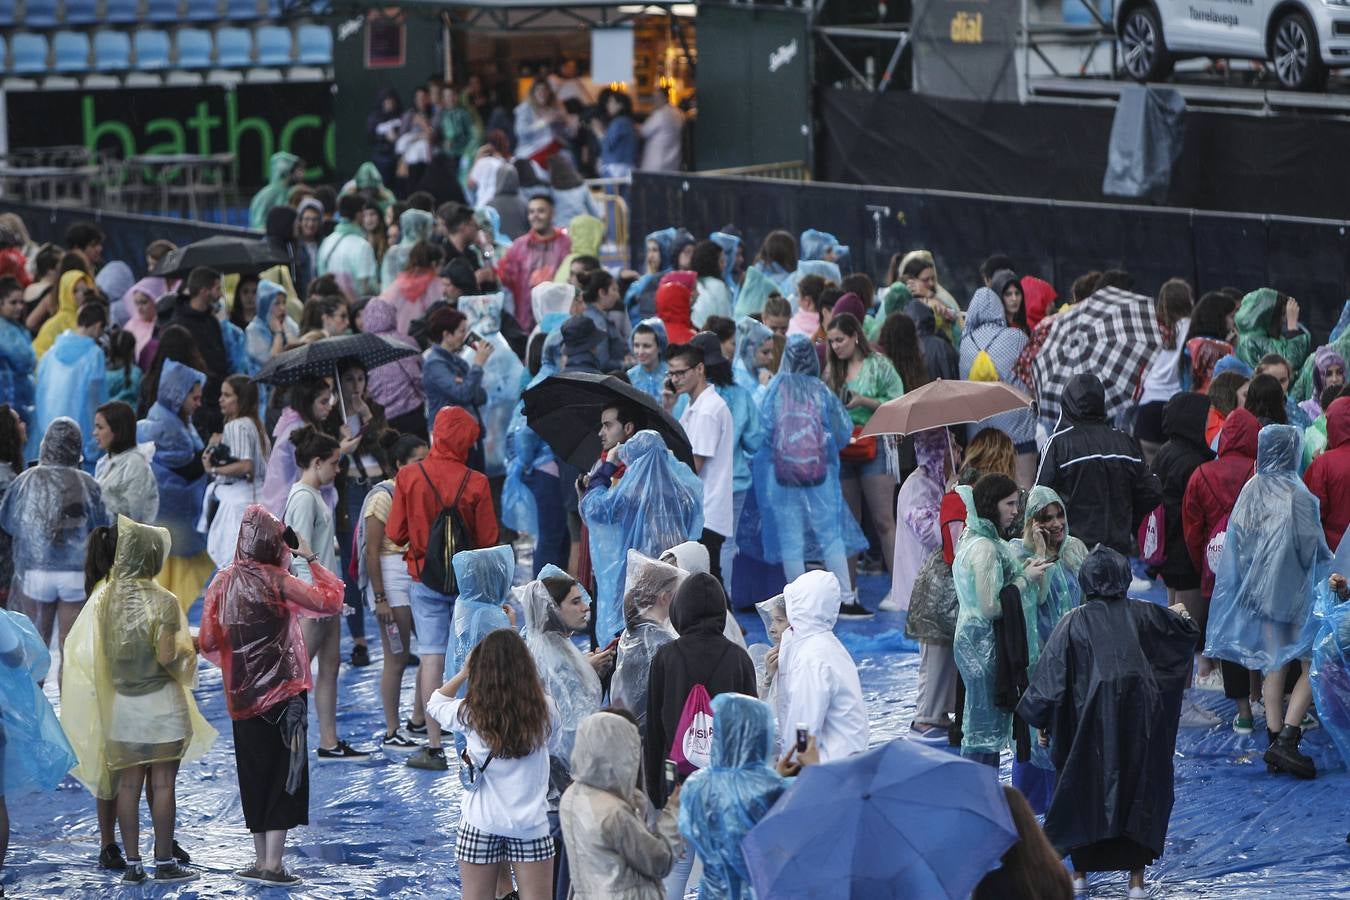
(98, 556)
(311, 444)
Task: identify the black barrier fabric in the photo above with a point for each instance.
(1056, 241)
(1281, 165)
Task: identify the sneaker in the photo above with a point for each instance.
(1140, 585)
(398, 742)
(343, 752)
(869, 565)
(360, 655)
(1195, 716)
(1138, 893)
(932, 735)
(180, 854)
(135, 873)
(279, 878)
(432, 758)
(889, 603)
(253, 875)
(418, 729)
(1080, 887)
(110, 857)
(1242, 724)
(1211, 682)
(171, 873)
(1310, 721)
(854, 610)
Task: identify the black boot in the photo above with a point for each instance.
(1284, 755)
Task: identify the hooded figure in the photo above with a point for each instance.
(258, 336)
(653, 382)
(275, 191)
(640, 298)
(71, 381)
(751, 335)
(503, 375)
(773, 613)
(17, 363)
(658, 503)
(50, 508)
(613, 854)
(282, 472)
(1098, 470)
(987, 330)
(396, 386)
(526, 452)
(510, 206)
(484, 579)
(587, 233)
(490, 224)
(176, 464)
(1108, 691)
(700, 655)
(67, 307)
(720, 804)
(731, 249)
(1213, 489)
(348, 256)
(1323, 361)
(648, 583)
(1038, 299)
(1329, 475)
(125, 704)
(821, 245)
(370, 182)
(413, 225)
(564, 670)
(692, 557)
(1255, 318)
(1059, 591)
(673, 299)
(1274, 558)
(916, 511)
(939, 356)
(1183, 423)
(37, 752)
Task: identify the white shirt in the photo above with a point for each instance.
(484, 176)
(707, 422)
(512, 800)
(661, 140)
(1162, 378)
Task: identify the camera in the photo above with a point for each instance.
(221, 455)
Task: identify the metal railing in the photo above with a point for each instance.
(793, 170)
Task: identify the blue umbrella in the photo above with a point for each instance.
(900, 820)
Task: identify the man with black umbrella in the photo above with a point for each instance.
(195, 310)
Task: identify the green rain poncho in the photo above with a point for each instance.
(1058, 591)
(587, 233)
(1253, 322)
(274, 192)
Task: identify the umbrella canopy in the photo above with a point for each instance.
(565, 411)
(224, 254)
(942, 403)
(900, 820)
(323, 356)
(1113, 334)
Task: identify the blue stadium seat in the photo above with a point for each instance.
(161, 10)
(274, 45)
(39, 13)
(70, 51)
(81, 12)
(112, 51)
(7, 13)
(234, 48)
(122, 12)
(241, 10)
(316, 45)
(194, 48)
(274, 9)
(27, 54)
(203, 10)
(152, 50)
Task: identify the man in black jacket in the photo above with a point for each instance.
(1098, 470)
(196, 312)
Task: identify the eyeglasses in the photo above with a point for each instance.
(678, 373)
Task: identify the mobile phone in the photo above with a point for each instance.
(801, 737)
(290, 538)
(672, 776)
(612, 644)
(670, 386)
(848, 396)
(474, 339)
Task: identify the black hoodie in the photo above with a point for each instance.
(939, 356)
(1183, 423)
(700, 655)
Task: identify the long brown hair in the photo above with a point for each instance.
(1031, 868)
(504, 701)
(991, 452)
(836, 369)
(246, 404)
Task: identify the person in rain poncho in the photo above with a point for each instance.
(818, 684)
(484, 579)
(773, 613)
(284, 171)
(396, 386)
(49, 511)
(733, 259)
(368, 183)
(720, 804)
(270, 329)
(308, 402)
(72, 379)
(1267, 322)
(236, 485)
(587, 233)
(984, 567)
(649, 591)
(1331, 654)
(1274, 557)
(640, 298)
(919, 274)
(692, 557)
(413, 225)
(657, 504)
(917, 509)
(754, 355)
(614, 854)
(127, 689)
(1108, 692)
(17, 358)
(347, 254)
(648, 343)
(123, 472)
(503, 375)
(796, 470)
(532, 493)
(989, 337)
(71, 291)
(1328, 370)
(251, 630)
(533, 258)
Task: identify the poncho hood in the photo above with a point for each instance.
(606, 754)
(484, 576)
(379, 317)
(141, 550)
(268, 292)
(260, 538)
(1278, 450)
(61, 443)
(1257, 311)
(1185, 416)
(986, 309)
(1338, 422)
(280, 166)
(700, 606)
(750, 336)
(453, 434)
(175, 383)
(1105, 575)
(587, 233)
(691, 556)
(1238, 436)
(414, 225)
(744, 734)
(812, 603)
(799, 357)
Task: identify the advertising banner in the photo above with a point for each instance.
(964, 49)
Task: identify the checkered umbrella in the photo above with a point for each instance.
(1113, 334)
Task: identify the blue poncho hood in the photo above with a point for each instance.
(484, 579)
(815, 244)
(268, 292)
(750, 336)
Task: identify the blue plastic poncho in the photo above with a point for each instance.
(657, 504)
(747, 430)
(721, 803)
(750, 336)
(1274, 558)
(566, 673)
(50, 509)
(1331, 657)
(484, 579)
(640, 298)
(825, 269)
(37, 754)
(258, 334)
(651, 383)
(815, 245)
(731, 246)
(525, 452)
(17, 362)
(796, 470)
(177, 446)
(1059, 592)
(503, 376)
(71, 381)
(413, 225)
(984, 564)
(647, 582)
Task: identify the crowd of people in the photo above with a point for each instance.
(146, 469)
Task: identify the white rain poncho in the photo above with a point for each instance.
(128, 484)
(647, 582)
(566, 673)
(1274, 558)
(484, 579)
(503, 376)
(37, 754)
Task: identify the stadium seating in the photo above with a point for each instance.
(315, 45)
(112, 51)
(70, 51)
(203, 11)
(194, 48)
(234, 48)
(40, 13)
(161, 10)
(152, 50)
(274, 45)
(28, 54)
(241, 10)
(81, 12)
(7, 11)
(122, 12)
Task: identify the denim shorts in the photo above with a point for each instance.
(874, 466)
(431, 612)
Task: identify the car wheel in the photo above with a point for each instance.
(1296, 55)
(1142, 48)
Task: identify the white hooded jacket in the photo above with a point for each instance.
(818, 682)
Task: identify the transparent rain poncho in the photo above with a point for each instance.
(1060, 591)
(651, 383)
(657, 504)
(1331, 657)
(37, 754)
(1274, 558)
(525, 452)
(50, 508)
(130, 669)
(503, 376)
(128, 483)
(804, 425)
(250, 626)
(177, 447)
(750, 336)
(721, 803)
(484, 579)
(773, 613)
(566, 673)
(647, 582)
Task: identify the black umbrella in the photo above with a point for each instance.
(565, 411)
(224, 254)
(324, 356)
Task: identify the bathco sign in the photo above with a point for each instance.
(782, 56)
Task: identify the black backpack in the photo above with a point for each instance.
(449, 535)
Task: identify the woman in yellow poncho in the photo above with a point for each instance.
(71, 293)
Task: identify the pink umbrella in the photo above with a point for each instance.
(942, 403)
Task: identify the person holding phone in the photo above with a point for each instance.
(447, 378)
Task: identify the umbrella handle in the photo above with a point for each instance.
(337, 386)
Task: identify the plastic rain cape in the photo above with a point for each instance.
(657, 504)
(130, 668)
(807, 522)
(503, 376)
(526, 451)
(1331, 657)
(650, 383)
(647, 581)
(721, 803)
(37, 753)
(484, 578)
(1060, 591)
(750, 336)
(51, 508)
(567, 675)
(1274, 558)
(177, 445)
(775, 608)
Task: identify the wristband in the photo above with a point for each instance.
(311, 558)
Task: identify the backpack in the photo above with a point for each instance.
(1153, 537)
(1214, 549)
(692, 747)
(983, 368)
(448, 536)
(799, 445)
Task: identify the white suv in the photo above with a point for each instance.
(1302, 39)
